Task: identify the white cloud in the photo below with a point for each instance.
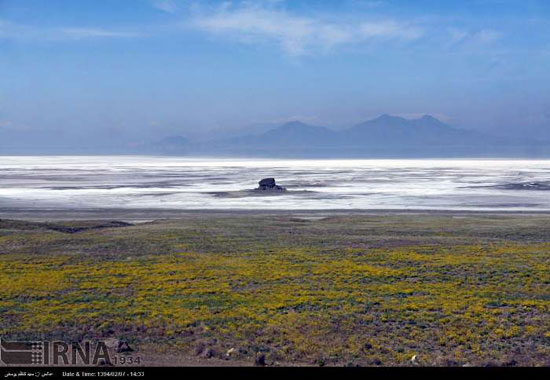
(483, 36)
(487, 36)
(390, 29)
(457, 35)
(373, 3)
(19, 32)
(254, 24)
(167, 6)
(297, 35)
(79, 33)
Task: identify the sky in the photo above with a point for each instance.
(150, 68)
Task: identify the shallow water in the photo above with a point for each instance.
(193, 183)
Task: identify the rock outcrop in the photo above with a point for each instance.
(268, 184)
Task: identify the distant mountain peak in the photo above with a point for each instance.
(392, 118)
(295, 123)
(383, 136)
(387, 117)
(429, 120)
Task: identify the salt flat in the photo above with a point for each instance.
(174, 183)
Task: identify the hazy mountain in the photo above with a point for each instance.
(228, 133)
(385, 136)
(294, 133)
(426, 131)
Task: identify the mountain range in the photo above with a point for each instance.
(384, 136)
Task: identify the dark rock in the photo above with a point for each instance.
(268, 184)
(260, 360)
(209, 353)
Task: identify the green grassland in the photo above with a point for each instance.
(330, 290)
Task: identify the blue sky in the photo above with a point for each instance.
(155, 67)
